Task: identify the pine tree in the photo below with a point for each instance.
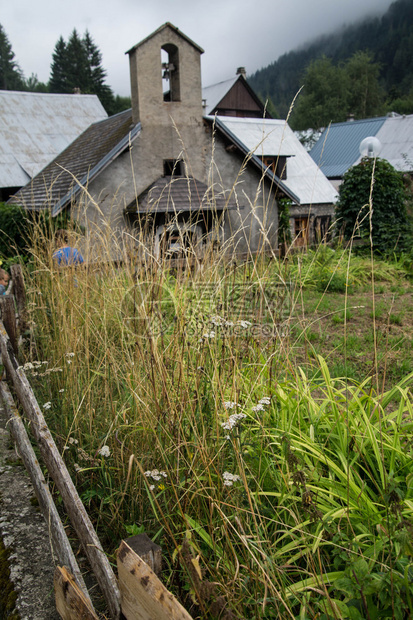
(11, 76)
(97, 75)
(77, 67)
(58, 82)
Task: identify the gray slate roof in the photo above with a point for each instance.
(79, 163)
(337, 149)
(305, 183)
(179, 194)
(35, 127)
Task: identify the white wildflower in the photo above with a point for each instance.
(61, 391)
(209, 335)
(229, 478)
(244, 324)
(155, 474)
(152, 486)
(230, 404)
(104, 451)
(258, 407)
(233, 421)
(70, 354)
(77, 467)
(73, 441)
(47, 405)
(217, 320)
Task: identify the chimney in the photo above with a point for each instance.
(350, 118)
(241, 71)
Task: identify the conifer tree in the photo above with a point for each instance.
(77, 66)
(58, 82)
(11, 76)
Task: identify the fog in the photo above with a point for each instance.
(233, 33)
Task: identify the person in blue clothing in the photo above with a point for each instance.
(65, 254)
(4, 280)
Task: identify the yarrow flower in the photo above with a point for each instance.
(259, 407)
(263, 402)
(232, 421)
(244, 324)
(230, 404)
(229, 478)
(47, 405)
(104, 451)
(155, 474)
(209, 335)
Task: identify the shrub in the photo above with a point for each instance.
(13, 228)
(391, 229)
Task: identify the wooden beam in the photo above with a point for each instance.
(58, 471)
(71, 603)
(143, 596)
(59, 541)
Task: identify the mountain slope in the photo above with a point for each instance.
(389, 39)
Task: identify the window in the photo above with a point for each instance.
(170, 73)
(172, 167)
(277, 165)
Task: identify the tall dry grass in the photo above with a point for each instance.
(174, 396)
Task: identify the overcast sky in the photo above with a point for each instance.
(233, 33)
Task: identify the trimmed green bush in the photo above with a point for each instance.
(391, 228)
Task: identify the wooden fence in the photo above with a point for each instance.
(137, 592)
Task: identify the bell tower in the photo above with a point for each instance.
(165, 72)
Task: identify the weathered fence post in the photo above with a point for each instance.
(19, 293)
(8, 316)
(148, 551)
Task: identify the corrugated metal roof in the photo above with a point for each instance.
(88, 155)
(180, 194)
(35, 127)
(212, 95)
(337, 149)
(273, 137)
(396, 137)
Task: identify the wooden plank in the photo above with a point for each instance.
(19, 292)
(60, 544)
(71, 603)
(143, 596)
(8, 316)
(58, 471)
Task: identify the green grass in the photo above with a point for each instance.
(301, 505)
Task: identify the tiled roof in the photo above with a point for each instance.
(36, 127)
(178, 194)
(56, 185)
(337, 149)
